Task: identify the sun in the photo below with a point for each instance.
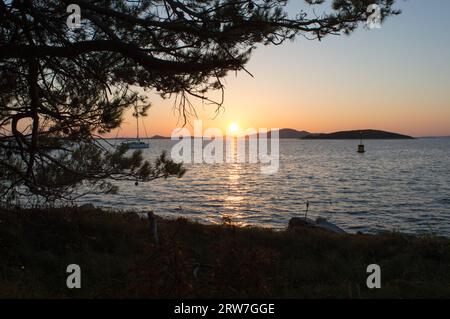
(233, 128)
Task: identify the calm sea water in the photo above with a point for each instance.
(397, 185)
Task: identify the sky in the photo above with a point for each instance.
(396, 78)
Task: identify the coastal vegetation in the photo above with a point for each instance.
(119, 258)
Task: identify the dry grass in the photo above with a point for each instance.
(118, 259)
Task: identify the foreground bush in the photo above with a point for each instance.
(118, 259)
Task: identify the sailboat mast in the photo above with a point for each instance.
(137, 125)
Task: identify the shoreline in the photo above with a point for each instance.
(347, 228)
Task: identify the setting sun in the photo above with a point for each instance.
(233, 128)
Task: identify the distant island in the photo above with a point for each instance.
(159, 137)
(289, 133)
(357, 134)
(367, 134)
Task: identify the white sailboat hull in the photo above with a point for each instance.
(136, 145)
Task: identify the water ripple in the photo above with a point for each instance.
(396, 185)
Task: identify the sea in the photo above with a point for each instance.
(397, 185)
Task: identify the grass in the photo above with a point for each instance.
(119, 260)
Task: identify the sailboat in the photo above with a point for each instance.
(136, 144)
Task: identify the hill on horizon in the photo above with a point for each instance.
(289, 133)
(367, 134)
(343, 135)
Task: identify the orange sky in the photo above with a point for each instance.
(396, 78)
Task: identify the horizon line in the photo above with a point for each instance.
(162, 136)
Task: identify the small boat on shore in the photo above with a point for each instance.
(322, 223)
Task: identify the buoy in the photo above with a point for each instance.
(361, 146)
